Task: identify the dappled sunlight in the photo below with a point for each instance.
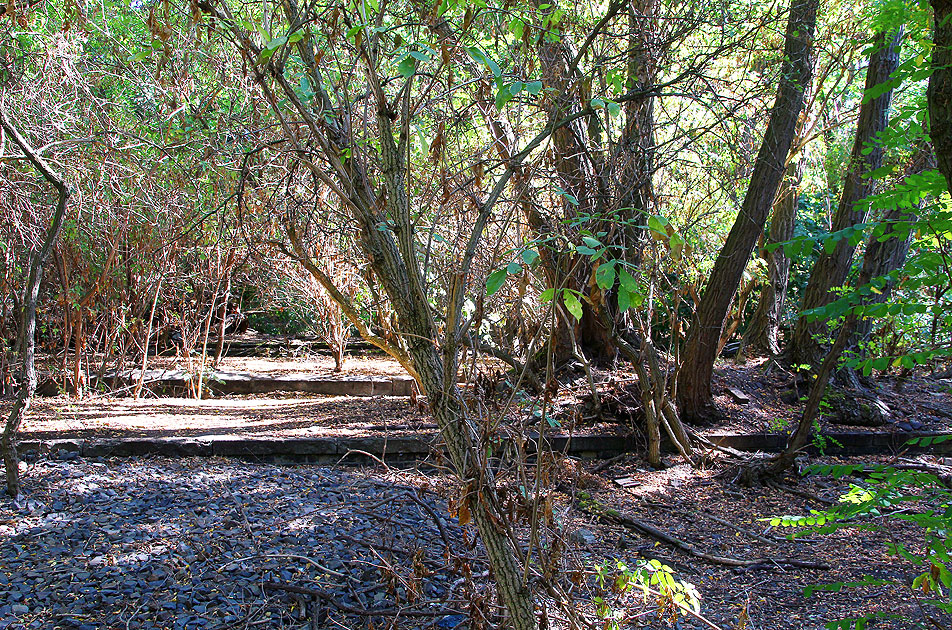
(181, 417)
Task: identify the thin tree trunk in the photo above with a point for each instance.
(28, 314)
(148, 335)
(879, 257)
(79, 341)
(832, 267)
(694, 381)
(940, 89)
(763, 334)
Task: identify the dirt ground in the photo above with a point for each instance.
(702, 508)
(919, 400)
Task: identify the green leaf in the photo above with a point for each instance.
(265, 56)
(482, 58)
(276, 43)
(658, 224)
(613, 108)
(568, 197)
(547, 295)
(572, 305)
(530, 256)
(139, 56)
(514, 268)
(624, 300)
(534, 88)
(407, 67)
(503, 96)
(605, 276)
(495, 281)
(627, 281)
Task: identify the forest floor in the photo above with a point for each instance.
(212, 543)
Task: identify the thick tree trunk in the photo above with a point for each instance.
(940, 89)
(580, 177)
(694, 381)
(635, 162)
(28, 313)
(832, 268)
(763, 334)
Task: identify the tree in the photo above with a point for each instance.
(833, 266)
(763, 332)
(694, 380)
(940, 88)
(362, 159)
(27, 317)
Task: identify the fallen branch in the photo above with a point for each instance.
(608, 462)
(589, 505)
(945, 413)
(331, 599)
(800, 493)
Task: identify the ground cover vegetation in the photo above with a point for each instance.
(600, 200)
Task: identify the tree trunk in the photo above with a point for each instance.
(763, 334)
(940, 89)
(832, 268)
(890, 254)
(635, 160)
(694, 381)
(28, 313)
(878, 259)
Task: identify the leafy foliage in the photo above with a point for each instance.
(884, 495)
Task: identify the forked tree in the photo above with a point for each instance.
(27, 315)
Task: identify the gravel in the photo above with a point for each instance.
(199, 543)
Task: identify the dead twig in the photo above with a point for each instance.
(800, 493)
(316, 565)
(331, 599)
(590, 506)
(742, 530)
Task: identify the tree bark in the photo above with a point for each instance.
(636, 147)
(832, 268)
(694, 381)
(31, 294)
(886, 250)
(885, 256)
(940, 89)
